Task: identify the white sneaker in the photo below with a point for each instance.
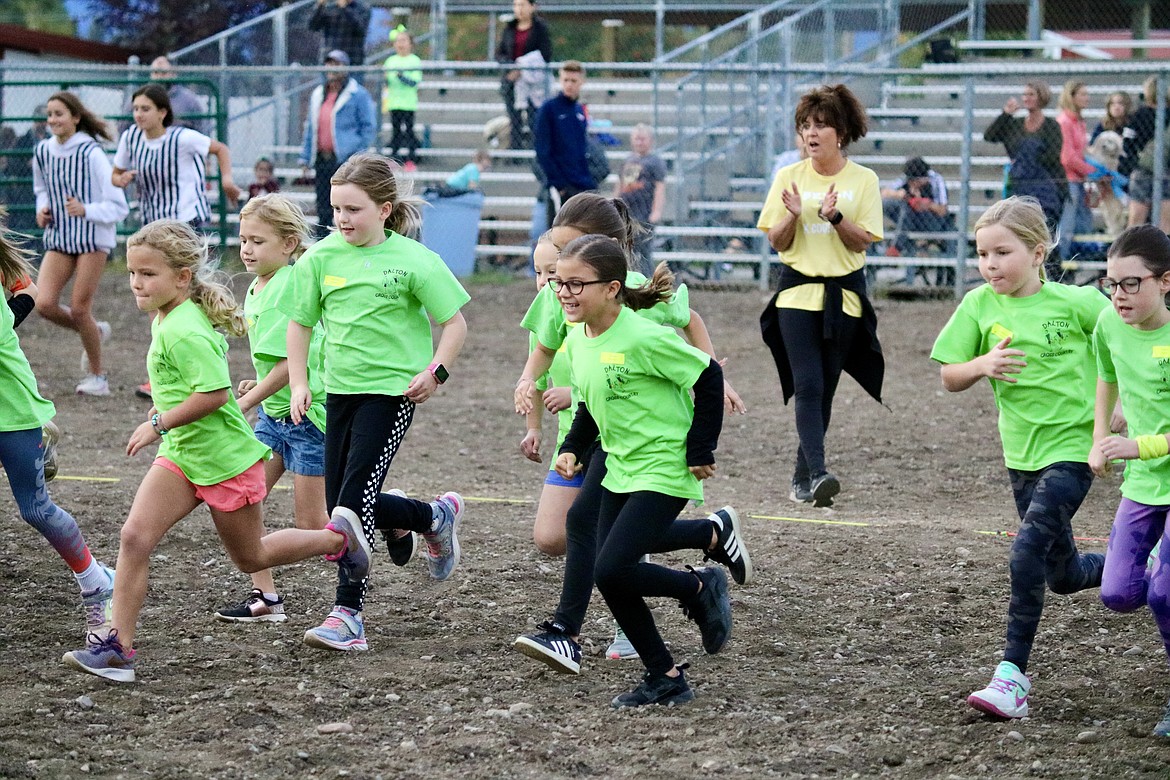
(94, 384)
(620, 649)
(1006, 696)
(105, 330)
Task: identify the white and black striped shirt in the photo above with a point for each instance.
(78, 168)
(170, 173)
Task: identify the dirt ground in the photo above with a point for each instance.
(851, 655)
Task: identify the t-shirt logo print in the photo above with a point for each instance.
(389, 285)
(1056, 333)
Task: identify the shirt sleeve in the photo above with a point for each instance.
(441, 294)
(198, 361)
(774, 209)
(960, 338)
(194, 142)
(40, 188)
(122, 155)
(111, 207)
(301, 297)
(1106, 371)
(869, 206)
(545, 319)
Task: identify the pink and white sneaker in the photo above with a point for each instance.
(1006, 696)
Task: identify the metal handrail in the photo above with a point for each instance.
(706, 38)
(231, 31)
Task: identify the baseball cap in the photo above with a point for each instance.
(338, 56)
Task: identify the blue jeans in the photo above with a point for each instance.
(1075, 218)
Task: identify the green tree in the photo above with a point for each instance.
(166, 25)
(44, 15)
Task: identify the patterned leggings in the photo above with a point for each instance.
(20, 452)
(362, 435)
(1044, 550)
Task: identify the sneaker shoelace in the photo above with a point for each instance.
(95, 615)
(1002, 685)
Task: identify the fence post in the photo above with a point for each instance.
(965, 189)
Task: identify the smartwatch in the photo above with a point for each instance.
(834, 220)
(439, 372)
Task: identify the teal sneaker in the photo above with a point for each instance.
(105, 658)
(343, 630)
(1006, 696)
(1163, 727)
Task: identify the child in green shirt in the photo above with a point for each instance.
(403, 75)
(273, 232)
(1133, 363)
(25, 448)
(207, 452)
(375, 291)
(1032, 340)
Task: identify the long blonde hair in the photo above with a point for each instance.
(284, 216)
(14, 258)
(373, 174)
(181, 247)
(1023, 217)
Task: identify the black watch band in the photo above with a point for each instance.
(836, 220)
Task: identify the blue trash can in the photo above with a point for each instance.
(451, 229)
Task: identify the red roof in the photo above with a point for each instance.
(36, 42)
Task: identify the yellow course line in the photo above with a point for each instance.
(804, 520)
(87, 479)
(482, 499)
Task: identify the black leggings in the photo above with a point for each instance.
(583, 540)
(631, 525)
(816, 370)
(1044, 550)
(362, 435)
(402, 134)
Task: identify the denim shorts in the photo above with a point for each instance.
(1141, 186)
(301, 447)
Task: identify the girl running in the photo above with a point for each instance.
(79, 208)
(167, 162)
(273, 232)
(626, 370)
(575, 531)
(23, 449)
(207, 453)
(1032, 340)
(1133, 347)
(375, 290)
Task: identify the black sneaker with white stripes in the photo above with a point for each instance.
(254, 609)
(552, 646)
(730, 548)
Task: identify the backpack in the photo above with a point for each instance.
(1028, 177)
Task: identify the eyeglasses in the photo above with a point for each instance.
(574, 286)
(1130, 284)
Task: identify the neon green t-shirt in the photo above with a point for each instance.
(267, 331)
(399, 96)
(557, 376)
(816, 248)
(1138, 362)
(187, 356)
(1046, 416)
(374, 302)
(546, 318)
(21, 406)
(635, 380)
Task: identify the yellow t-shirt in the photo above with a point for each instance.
(816, 249)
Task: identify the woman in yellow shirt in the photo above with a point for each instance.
(820, 215)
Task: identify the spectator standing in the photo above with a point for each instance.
(339, 124)
(343, 25)
(185, 102)
(1076, 217)
(1118, 111)
(1138, 139)
(526, 33)
(917, 202)
(20, 167)
(1033, 144)
(561, 139)
(642, 185)
(403, 75)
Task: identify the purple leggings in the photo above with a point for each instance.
(1126, 584)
